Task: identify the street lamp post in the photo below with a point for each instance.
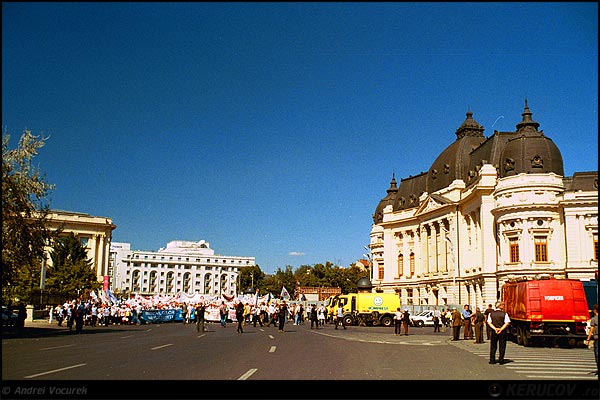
(453, 263)
(370, 260)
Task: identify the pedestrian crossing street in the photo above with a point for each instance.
(540, 362)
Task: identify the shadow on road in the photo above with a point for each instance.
(36, 332)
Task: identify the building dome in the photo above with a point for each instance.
(453, 163)
(530, 151)
(364, 284)
(387, 200)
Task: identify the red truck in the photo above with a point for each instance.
(548, 310)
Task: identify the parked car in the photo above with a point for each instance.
(424, 318)
(9, 320)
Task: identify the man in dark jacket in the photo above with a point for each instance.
(283, 311)
(498, 320)
(200, 311)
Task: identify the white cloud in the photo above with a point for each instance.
(295, 253)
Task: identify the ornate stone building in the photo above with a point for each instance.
(188, 267)
(488, 208)
(95, 233)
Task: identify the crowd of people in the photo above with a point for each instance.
(77, 313)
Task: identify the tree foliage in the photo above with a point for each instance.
(24, 212)
(71, 272)
(317, 275)
(250, 278)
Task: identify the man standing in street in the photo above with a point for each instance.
(436, 319)
(593, 334)
(456, 324)
(466, 314)
(478, 322)
(223, 311)
(200, 311)
(283, 310)
(340, 317)
(488, 330)
(498, 320)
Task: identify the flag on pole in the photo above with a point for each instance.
(111, 296)
(284, 293)
(103, 297)
(256, 298)
(93, 295)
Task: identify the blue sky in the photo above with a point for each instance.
(272, 129)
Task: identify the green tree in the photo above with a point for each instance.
(24, 213)
(71, 272)
(250, 277)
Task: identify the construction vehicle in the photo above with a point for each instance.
(370, 309)
(549, 310)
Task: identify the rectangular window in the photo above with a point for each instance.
(381, 272)
(514, 250)
(412, 264)
(596, 246)
(541, 248)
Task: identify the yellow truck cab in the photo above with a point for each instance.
(370, 309)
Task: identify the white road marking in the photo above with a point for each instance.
(271, 336)
(54, 370)
(57, 347)
(272, 349)
(160, 347)
(248, 374)
(125, 337)
(148, 330)
(204, 334)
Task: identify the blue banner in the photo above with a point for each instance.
(158, 316)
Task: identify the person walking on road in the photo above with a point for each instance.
(314, 317)
(593, 334)
(239, 315)
(340, 317)
(397, 321)
(223, 311)
(405, 321)
(456, 324)
(436, 319)
(498, 320)
(200, 312)
(283, 311)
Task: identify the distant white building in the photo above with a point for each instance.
(189, 267)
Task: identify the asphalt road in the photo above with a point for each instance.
(227, 363)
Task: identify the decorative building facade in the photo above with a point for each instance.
(488, 209)
(188, 267)
(95, 233)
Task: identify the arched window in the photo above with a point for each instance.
(412, 264)
(400, 264)
(170, 282)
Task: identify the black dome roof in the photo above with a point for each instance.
(453, 162)
(529, 151)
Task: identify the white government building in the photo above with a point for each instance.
(488, 209)
(183, 266)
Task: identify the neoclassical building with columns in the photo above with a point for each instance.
(93, 232)
(488, 209)
(183, 266)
